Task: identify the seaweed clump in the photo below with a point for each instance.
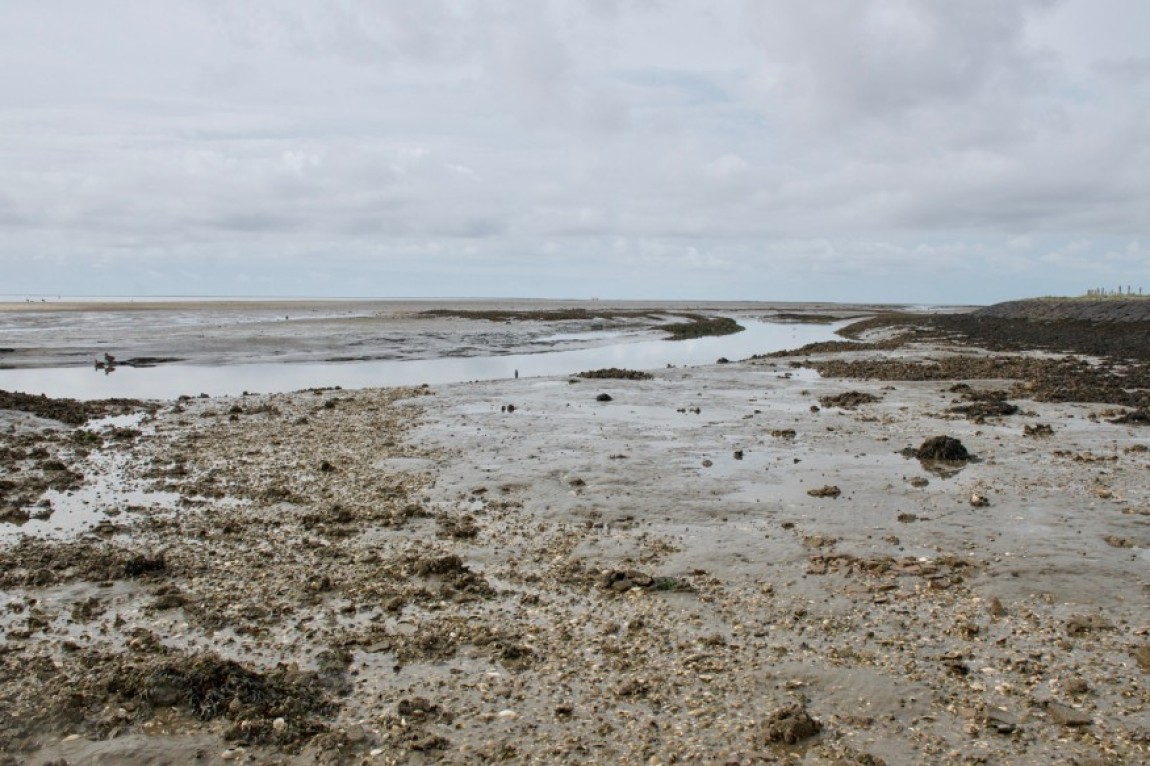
(700, 327)
(942, 448)
(615, 373)
(849, 400)
(277, 707)
(70, 411)
(1134, 418)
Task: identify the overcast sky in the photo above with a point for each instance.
(935, 151)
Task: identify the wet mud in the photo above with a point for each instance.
(723, 564)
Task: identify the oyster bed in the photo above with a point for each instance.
(529, 572)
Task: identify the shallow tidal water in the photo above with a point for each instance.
(620, 350)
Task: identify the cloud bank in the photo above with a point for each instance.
(903, 150)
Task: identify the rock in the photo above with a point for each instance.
(942, 448)
(620, 580)
(1081, 624)
(603, 398)
(1066, 715)
(978, 411)
(1001, 721)
(830, 490)
(790, 725)
(849, 400)
(978, 501)
(1076, 686)
(1134, 418)
(417, 707)
(1141, 655)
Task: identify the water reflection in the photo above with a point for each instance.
(171, 381)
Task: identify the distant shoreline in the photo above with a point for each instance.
(10, 303)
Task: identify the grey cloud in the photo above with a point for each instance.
(749, 146)
(852, 59)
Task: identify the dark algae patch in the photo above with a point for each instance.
(942, 448)
(553, 315)
(209, 688)
(69, 411)
(700, 326)
(849, 400)
(99, 694)
(696, 326)
(615, 373)
(1113, 329)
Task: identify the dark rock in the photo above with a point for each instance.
(790, 725)
(829, 490)
(620, 580)
(991, 409)
(1135, 418)
(942, 448)
(1081, 624)
(1001, 721)
(849, 400)
(603, 398)
(440, 565)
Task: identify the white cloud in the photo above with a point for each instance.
(889, 147)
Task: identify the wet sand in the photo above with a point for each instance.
(713, 565)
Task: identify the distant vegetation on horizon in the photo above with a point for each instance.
(1097, 294)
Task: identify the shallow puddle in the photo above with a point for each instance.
(106, 497)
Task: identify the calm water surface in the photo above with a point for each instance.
(171, 381)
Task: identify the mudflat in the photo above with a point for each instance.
(147, 333)
(774, 560)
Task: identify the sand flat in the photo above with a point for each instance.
(523, 570)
